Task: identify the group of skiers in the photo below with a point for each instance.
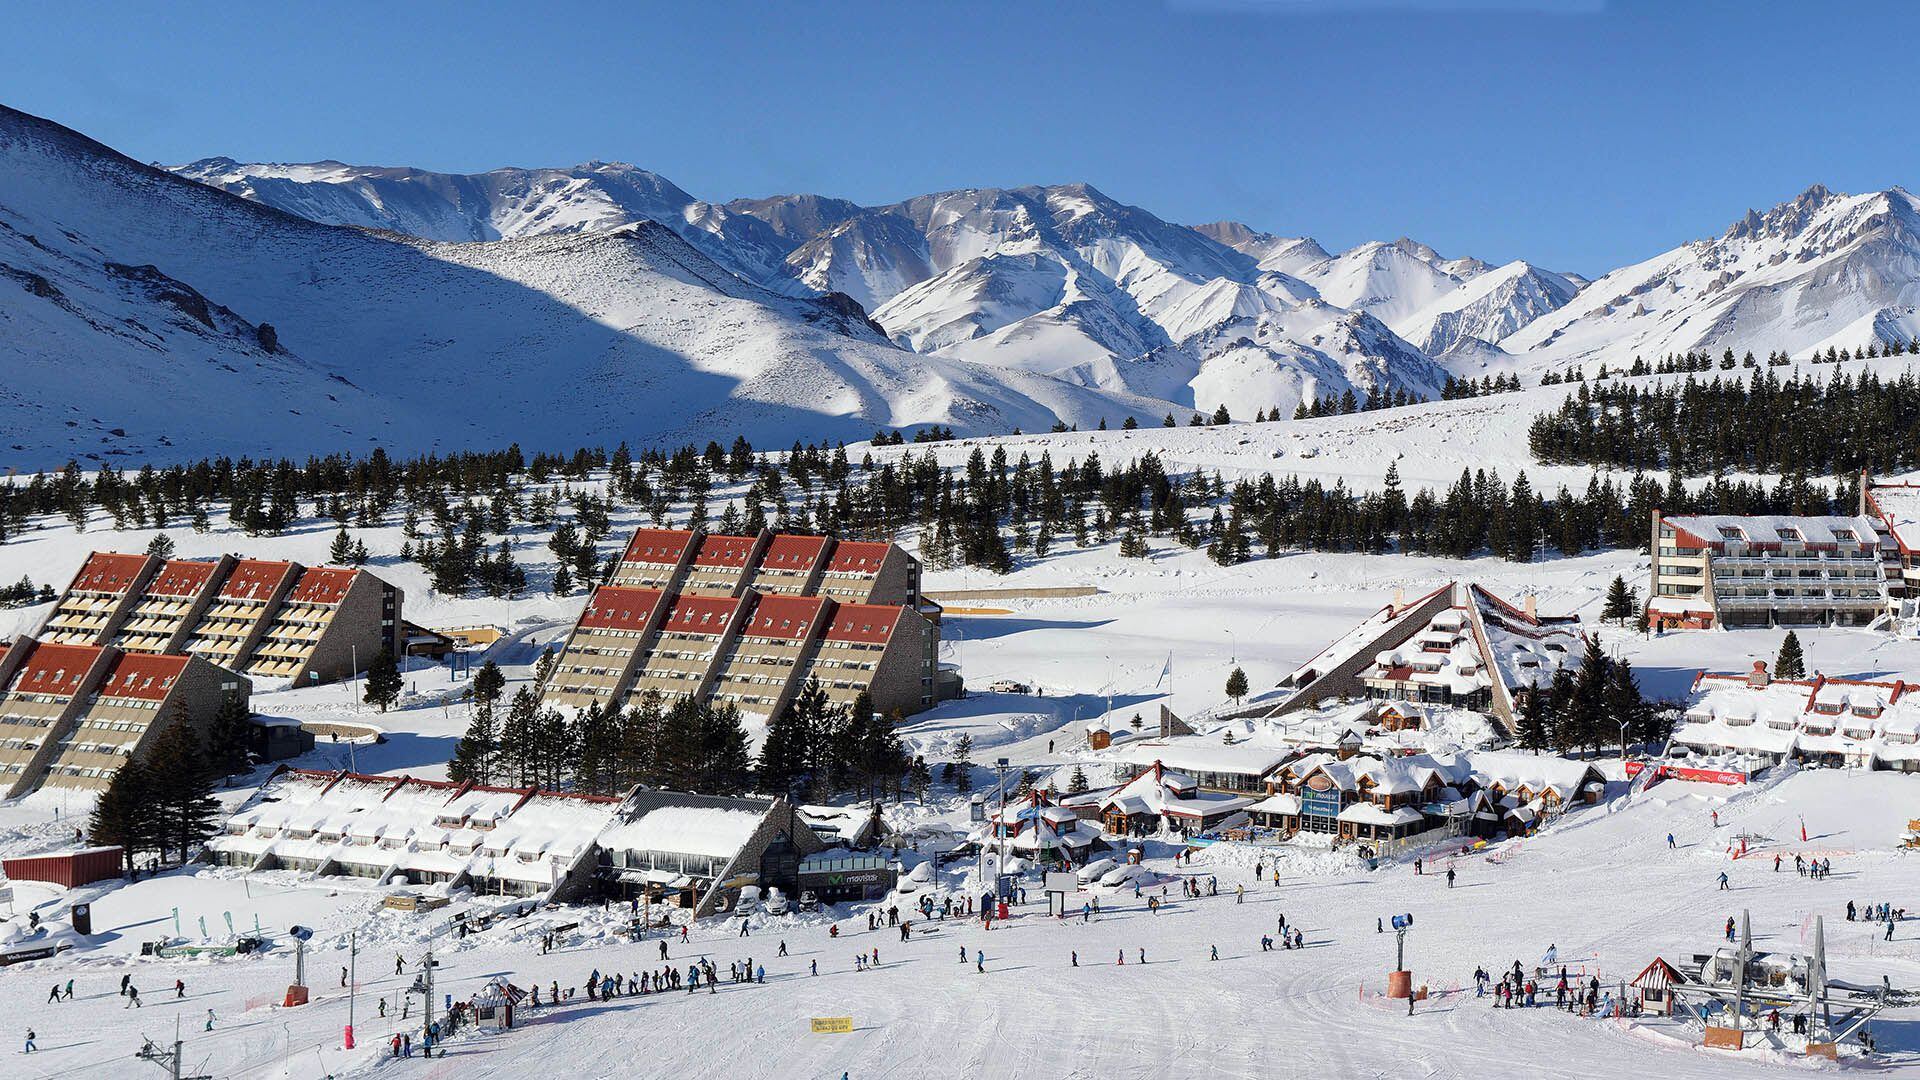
(1880, 913)
(1516, 990)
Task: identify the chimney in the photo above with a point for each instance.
(1399, 596)
(1531, 613)
(1758, 678)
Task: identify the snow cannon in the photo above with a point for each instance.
(1400, 980)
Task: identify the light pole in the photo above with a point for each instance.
(1000, 767)
(353, 980)
(1623, 742)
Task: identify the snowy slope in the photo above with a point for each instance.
(569, 338)
(501, 204)
(1822, 269)
(1489, 306)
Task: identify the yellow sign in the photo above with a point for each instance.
(832, 1025)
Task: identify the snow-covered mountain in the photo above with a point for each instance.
(154, 317)
(1065, 281)
(1823, 269)
(1058, 279)
(502, 204)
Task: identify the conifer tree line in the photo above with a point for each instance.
(1797, 427)
(813, 748)
(462, 515)
(1589, 708)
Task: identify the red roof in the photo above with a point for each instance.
(108, 571)
(724, 551)
(255, 579)
(858, 557)
(789, 551)
(181, 578)
(658, 546)
(55, 669)
(784, 616)
(869, 623)
(323, 584)
(137, 676)
(700, 614)
(617, 608)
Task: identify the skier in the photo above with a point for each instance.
(209, 1026)
(1723, 882)
(813, 967)
(1716, 819)
(179, 989)
(30, 1047)
(54, 995)
(399, 964)
(979, 961)
(69, 989)
(133, 997)
(1075, 956)
(1670, 844)
(663, 948)
(1215, 953)
(343, 978)
(1449, 877)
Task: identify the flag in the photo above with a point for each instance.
(1803, 828)
(1166, 671)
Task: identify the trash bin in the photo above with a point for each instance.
(83, 918)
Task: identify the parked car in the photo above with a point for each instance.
(1121, 876)
(777, 902)
(1094, 871)
(808, 901)
(961, 852)
(748, 900)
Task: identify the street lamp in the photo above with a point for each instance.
(1000, 767)
(1623, 741)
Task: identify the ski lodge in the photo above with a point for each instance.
(271, 620)
(748, 620)
(72, 715)
(1459, 646)
(1734, 572)
(1851, 723)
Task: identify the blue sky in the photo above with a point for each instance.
(1575, 133)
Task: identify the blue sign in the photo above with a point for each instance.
(1324, 804)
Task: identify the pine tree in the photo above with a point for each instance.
(562, 580)
(1533, 726)
(1620, 605)
(1791, 663)
(1077, 783)
(182, 789)
(963, 764)
(1237, 685)
(161, 546)
(124, 815)
(783, 750)
(228, 735)
(341, 553)
(384, 682)
(474, 756)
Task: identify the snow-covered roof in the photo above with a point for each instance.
(1366, 813)
(1899, 508)
(1777, 529)
(1204, 753)
(1858, 718)
(1513, 769)
(693, 830)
